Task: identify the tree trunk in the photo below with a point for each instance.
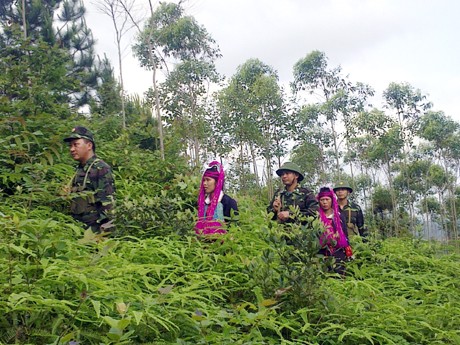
(393, 200)
(241, 167)
(336, 148)
(254, 163)
(24, 23)
(453, 213)
(364, 191)
(443, 215)
(157, 102)
(270, 188)
(122, 85)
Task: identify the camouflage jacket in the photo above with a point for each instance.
(300, 197)
(92, 193)
(354, 219)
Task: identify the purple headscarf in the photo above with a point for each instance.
(206, 225)
(333, 237)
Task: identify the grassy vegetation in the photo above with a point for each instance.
(63, 286)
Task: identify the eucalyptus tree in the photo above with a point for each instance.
(380, 142)
(409, 104)
(383, 207)
(357, 154)
(184, 97)
(311, 143)
(235, 127)
(309, 157)
(443, 134)
(253, 116)
(118, 11)
(170, 34)
(413, 181)
(430, 207)
(455, 199)
(337, 98)
(439, 181)
(272, 121)
(363, 183)
(311, 74)
(356, 104)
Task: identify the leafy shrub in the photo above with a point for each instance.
(60, 285)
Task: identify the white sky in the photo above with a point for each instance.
(375, 41)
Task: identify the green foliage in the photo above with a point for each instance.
(184, 97)
(290, 269)
(339, 100)
(154, 282)
(408, 102)
(33, 171)
(61, 285)
(108, 100)
(174, 34)
(252, 119)
(152, 209)
(34, 80)
(58, 29)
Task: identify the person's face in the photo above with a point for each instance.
(325, 203)
(342, 193)
(209, 184)
(289, 177)
(81, 150)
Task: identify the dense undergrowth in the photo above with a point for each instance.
(63, 286)
(154, 282)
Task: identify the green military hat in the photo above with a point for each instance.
(289, 166)
(343, 185)
(80, 132)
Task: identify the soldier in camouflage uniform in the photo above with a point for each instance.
(292, 195)
(92, 187)
(350, 211)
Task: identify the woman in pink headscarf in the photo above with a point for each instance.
(214, 206)
(333, 240)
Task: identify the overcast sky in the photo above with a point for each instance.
(375, 41)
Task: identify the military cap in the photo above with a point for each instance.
(289, 166)
(80, 132)
(343, 185)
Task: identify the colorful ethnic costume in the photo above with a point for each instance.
(334, 240)
(216, 208)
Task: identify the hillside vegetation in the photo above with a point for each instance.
(64, 286)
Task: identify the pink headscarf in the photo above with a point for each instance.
(206, 225)
(333, 237)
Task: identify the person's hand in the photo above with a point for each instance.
(107, 227)
(283, 216)
(349, 252)
(277, 204)
(65, 190)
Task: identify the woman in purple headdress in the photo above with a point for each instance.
(333, 240)
(214, 206)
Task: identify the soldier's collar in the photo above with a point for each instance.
(296, 189)
(89, 161)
